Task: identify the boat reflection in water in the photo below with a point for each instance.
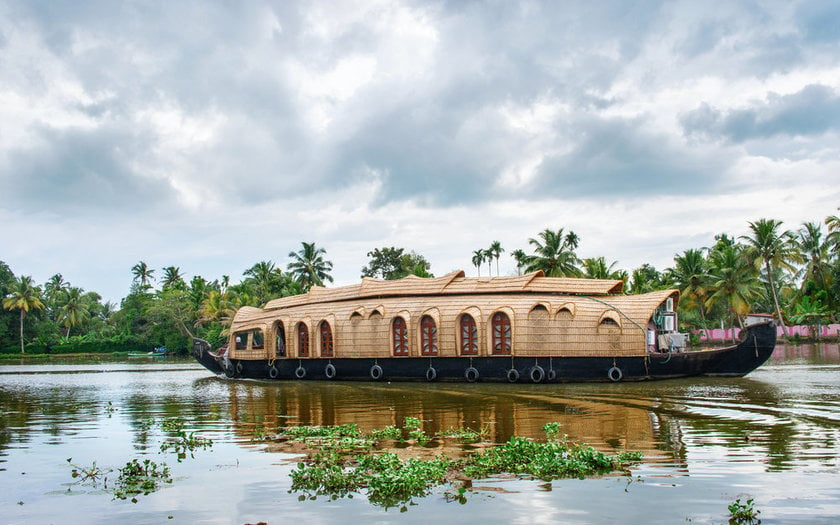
(743, 416)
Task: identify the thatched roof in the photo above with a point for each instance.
(454, 283)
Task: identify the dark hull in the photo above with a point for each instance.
(755, 348)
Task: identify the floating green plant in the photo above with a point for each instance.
(182, 442)
(466, 435)
(140, 478)
(390, 480)
(743, 513)
(545, 460)
(414, 427)
(389, 432)
(88, 475)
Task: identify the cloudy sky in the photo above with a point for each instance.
(213, 135)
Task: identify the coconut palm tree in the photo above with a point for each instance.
(478, 258)
(690, 274)
(267, 280)
(597, 268)
(815, 252)
(734, 281)
(74, 310)
(308, 266)
(495, 251)
(554, 254)
(521, 259)
(768, 247)
(23, 296)
(142, 274)
(833, 237)
(644, 279)
(172, 277)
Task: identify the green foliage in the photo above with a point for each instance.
(91, 475)
(335, 471)
(743, 513)
(339, 437)
(138, 477)
(466, 435)
(394, 263)
(182, 442)
(389, 432)
(414, 427)
(552, 430)
(549, 460)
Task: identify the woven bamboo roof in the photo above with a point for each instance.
(454, 283)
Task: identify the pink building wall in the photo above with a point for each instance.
(727, 334)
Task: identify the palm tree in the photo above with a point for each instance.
(833, 238)
(478, 259)
(172, 277)
(555, 255)
(691, 276)
(596, 268)
(142, 274)
(266, 278)
(645, 279)
(309, 267)
(734, 282)
(771, 249)
(23, 296)
(521, 259)
(75, 309)
(495, 251)
(816, 254)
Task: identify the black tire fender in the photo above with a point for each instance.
(513, 375)
(471, 374)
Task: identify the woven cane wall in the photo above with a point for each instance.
(541, 325)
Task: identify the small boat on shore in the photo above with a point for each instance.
(159, 351)
(529, 328)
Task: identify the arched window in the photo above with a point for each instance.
(428, 336)
(501, 334)
(303, 340)
(280, 339)
(326, 340)
(469, 335)
(400, 336)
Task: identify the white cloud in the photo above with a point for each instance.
(127, 134)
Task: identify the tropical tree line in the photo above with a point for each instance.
(792, 273)
(161, 309)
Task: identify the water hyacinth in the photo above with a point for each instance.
(389, 480)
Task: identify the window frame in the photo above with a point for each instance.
(467, 335)
(501, 332)
(302, 340)
(428, 336)
(326, 339)
(399, 337)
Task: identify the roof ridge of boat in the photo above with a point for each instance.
(453, 283)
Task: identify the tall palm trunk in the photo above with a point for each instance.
(22, 315)
(775, 297)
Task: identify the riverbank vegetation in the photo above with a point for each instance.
(792, 273)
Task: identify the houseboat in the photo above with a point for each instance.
(529, 328)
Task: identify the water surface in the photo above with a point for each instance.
(772, 436)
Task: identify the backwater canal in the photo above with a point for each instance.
(771, 436)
